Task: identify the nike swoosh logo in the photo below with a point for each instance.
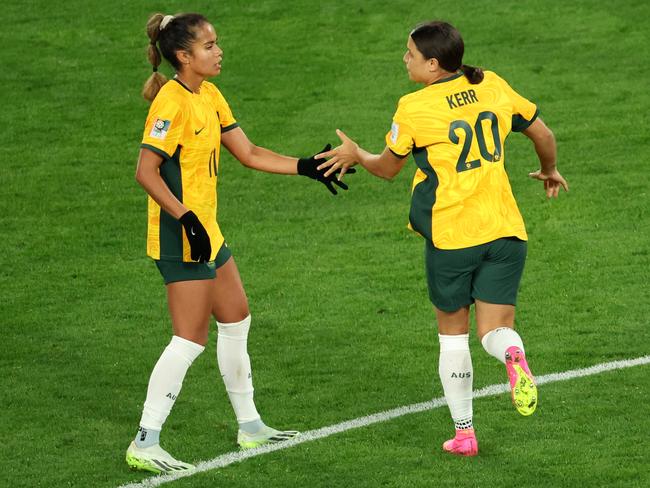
(197, 132)
(192, 231)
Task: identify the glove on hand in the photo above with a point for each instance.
(200, 248)
(308, 167)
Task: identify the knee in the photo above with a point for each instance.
(200, 338)
(233, 314)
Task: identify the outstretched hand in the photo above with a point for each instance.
(552, 182)
(342, 158)
(309, 167)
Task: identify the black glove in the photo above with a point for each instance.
(307, 167)
(200, 248)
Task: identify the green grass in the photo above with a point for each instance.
(341, 322)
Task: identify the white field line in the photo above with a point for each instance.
(312, 435)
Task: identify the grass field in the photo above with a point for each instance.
(342, 326)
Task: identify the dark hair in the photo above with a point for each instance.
(440, 40)
(177, 35)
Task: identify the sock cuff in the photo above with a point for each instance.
(235, 330)
(454, 342)
(515, 338)
(188, 350)
(241, 392)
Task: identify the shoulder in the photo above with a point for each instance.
(409, 98)
(492, 77)
(171, 95)
(407, 101)
(211, 89)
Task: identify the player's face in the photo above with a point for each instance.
(416, 64)
(205, 56)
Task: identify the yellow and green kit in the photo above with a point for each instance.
(461, 195)
(185, 129)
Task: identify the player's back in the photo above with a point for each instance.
(459, 130)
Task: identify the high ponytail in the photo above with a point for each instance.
(473, 74)
(156, 81)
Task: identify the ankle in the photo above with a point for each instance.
(252, 427)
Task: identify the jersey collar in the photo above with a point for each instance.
(449, 78)
(182, 84)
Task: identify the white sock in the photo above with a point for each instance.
(235, 367)
(166, 381)
(456, 373)
(497, 341)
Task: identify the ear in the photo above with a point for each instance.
(433, 65)
(183, 56)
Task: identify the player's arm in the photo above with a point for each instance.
(257, 157)
(546, 150)
(263, 159)
(148, 175)
(385, 165)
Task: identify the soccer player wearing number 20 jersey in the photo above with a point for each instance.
(462, 205)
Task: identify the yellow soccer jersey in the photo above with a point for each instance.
(185, 129)
(461, 195)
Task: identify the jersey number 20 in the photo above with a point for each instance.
(463, 164)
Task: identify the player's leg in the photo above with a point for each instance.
(456, 373)
(449, 276)
(189, 305)
(230, 309)
(495, 291)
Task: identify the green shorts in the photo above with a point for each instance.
(490, 272)
(172, 271)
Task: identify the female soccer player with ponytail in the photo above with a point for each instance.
(463, 206)
(178, 166)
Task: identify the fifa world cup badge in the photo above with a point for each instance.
(394, 132)
(160, 128)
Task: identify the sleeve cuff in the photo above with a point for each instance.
(155, 149)
(520, 124)
(401, 156)
(229, 127)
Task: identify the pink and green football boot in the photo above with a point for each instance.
(522, 383)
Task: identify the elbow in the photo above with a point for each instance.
(545, 140)
(139, 177)
(550, 137)
(248, 158)
(388, 174)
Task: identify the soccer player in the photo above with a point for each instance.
(463, 206)
(178, 166)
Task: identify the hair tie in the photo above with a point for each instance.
(155, 68)
(166, 20)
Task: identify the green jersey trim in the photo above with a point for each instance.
(449, 78)
(182, 84)
(520, 124)
(401, 156)
(424, 195)
(229, 127)
(171, 230)
(158, 151)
